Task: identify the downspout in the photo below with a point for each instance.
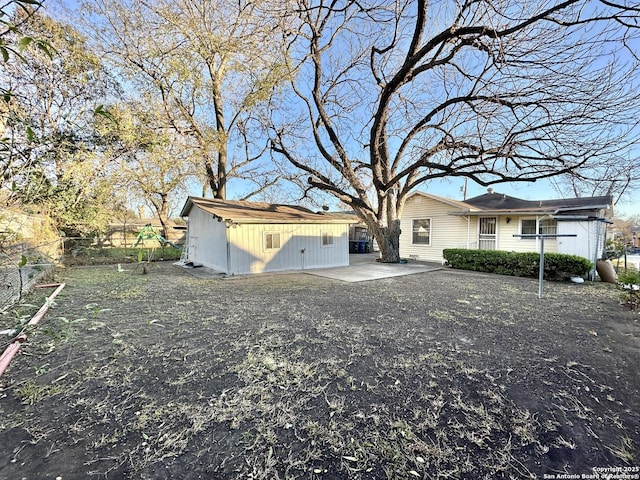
(468, 232)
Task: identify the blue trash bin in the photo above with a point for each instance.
(361, 245)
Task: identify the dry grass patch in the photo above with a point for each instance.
(438, 375)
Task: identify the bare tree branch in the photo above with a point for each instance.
(396, 94)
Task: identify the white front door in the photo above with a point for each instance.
(487, 239)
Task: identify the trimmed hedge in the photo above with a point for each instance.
(557, 266)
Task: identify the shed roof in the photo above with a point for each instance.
(236, 211)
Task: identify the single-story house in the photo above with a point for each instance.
(492, 221)
(239, 237)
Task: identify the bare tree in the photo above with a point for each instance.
(615, 176)
(393, 94)
(207, 63)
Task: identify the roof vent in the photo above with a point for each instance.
(489, 190)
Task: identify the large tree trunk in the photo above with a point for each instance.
(162, 210)
(221, 193)
(388, 240)
(221, 129)
(387, 235)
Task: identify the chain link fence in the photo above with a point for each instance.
(17, 278)
(29, 245)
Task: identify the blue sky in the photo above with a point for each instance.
(539, 190)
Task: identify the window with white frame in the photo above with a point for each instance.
(548, 227)
(421, 231)
(543, 227)
(528, 226)
(327, 239)
(271, 241)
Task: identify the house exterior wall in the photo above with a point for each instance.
(509, 243)
(447, 231)
(587, 243)
(206, 240)
(506, 232)
(635, 236)
(249, 253)
(461, 231)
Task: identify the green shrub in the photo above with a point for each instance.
(557, 266)
(629, 276)
(627, 279)
(113, 255)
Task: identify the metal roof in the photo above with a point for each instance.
(236, 211)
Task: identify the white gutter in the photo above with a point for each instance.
(581, 217)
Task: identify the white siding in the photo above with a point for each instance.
(206, 240)
(249, 255)
(459, 231)
(456, 231)
(588, 241)
(240, 249)
(447, 231)
(507, 241)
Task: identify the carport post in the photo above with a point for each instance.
(542, 236)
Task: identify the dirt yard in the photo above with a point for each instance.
(444, 374)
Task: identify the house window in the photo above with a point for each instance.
(421, 231)
(548, 227)
(327, 239)
(528, 227)
(271, 241)
(543, 227)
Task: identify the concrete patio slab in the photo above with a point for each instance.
(363, 267)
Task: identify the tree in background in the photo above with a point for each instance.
(52, 160)
(13, 42)
(389, 95)
(623, 228)
(209, 66)
(151, 163)
(615, 176)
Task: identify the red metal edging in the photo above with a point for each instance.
(14, 346)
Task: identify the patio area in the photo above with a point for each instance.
(363, 267)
